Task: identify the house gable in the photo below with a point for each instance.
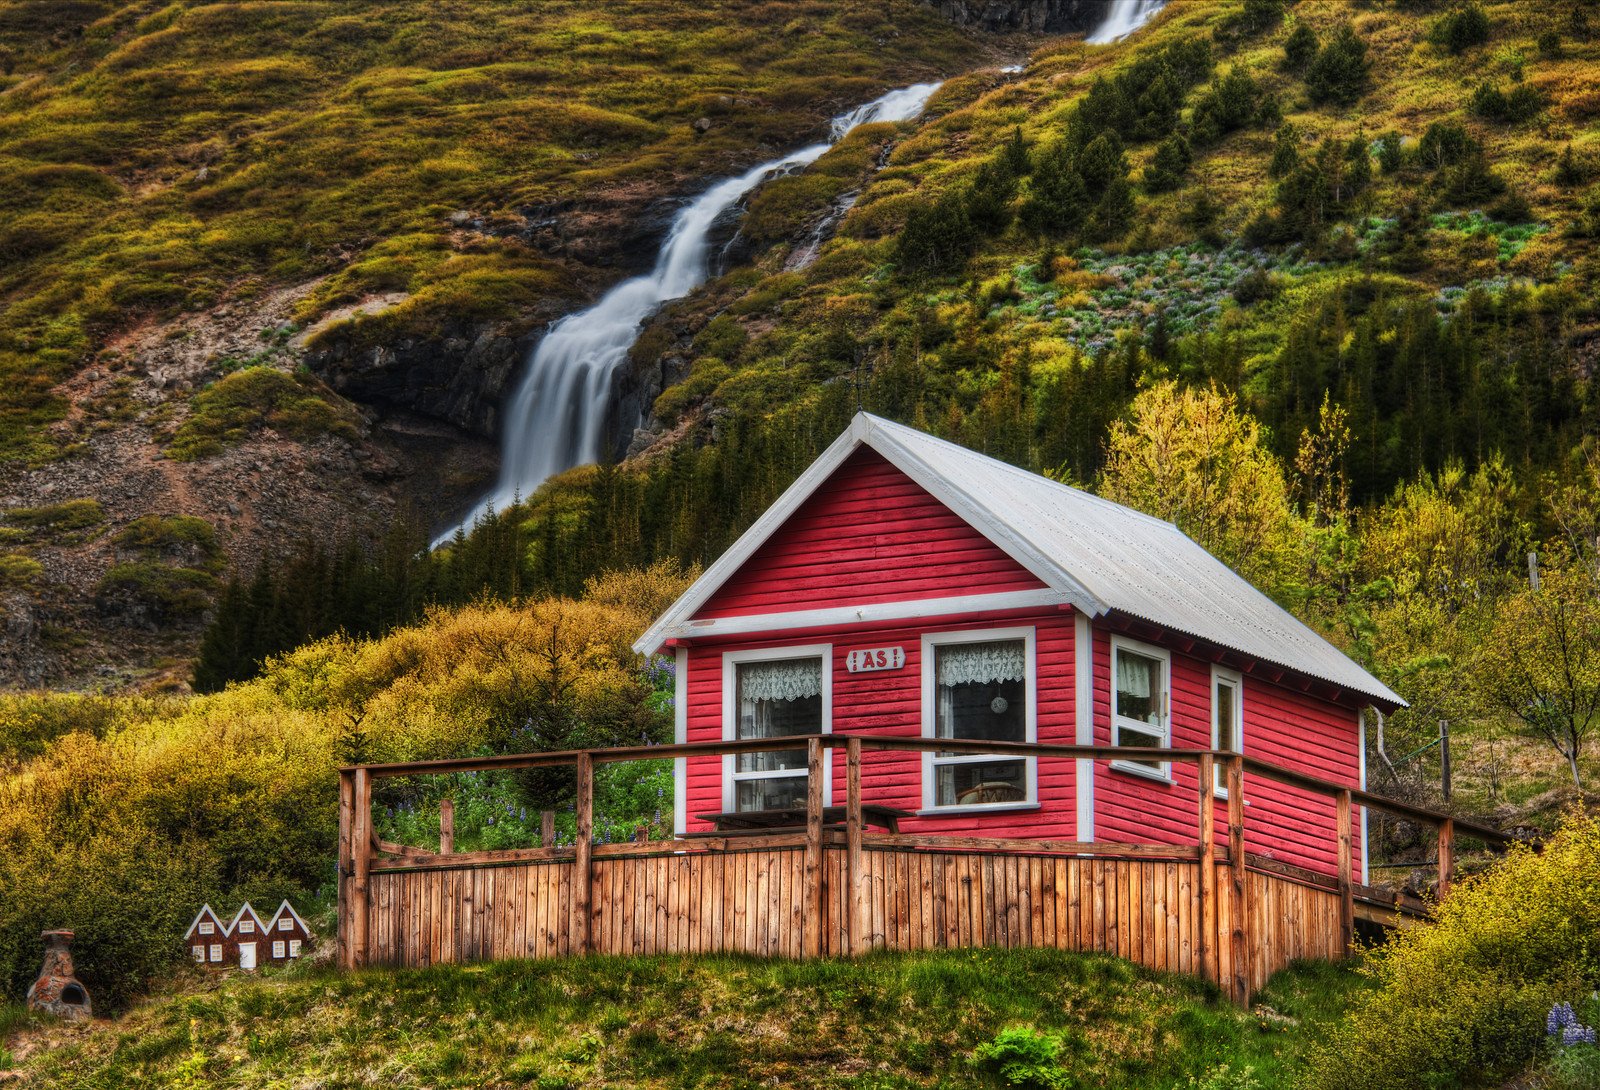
(869, 534)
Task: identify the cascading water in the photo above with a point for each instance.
(1123, 18)
(557, 416)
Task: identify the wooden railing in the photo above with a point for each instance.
(361, 852)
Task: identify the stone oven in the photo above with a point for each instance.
(58, 991)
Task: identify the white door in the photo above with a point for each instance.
(247, 955)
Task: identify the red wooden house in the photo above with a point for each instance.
(207, 937)
(287, 935)
(905, 585)
(246, 934)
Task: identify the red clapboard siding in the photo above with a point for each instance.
(1285, 727)
(870, 535)
(889, 702)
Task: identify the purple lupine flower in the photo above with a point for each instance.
(1562, 1023)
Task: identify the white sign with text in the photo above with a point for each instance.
(876, 658)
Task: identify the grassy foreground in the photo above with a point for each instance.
(914, 1020)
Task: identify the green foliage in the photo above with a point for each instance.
(1463, 1002)
(1023, 1057)
(239, 405)
(1461, 29)
(145, 810)
(67, 521)
(17, 570)
(1231, 102)
(1168, 165)
(937, 236)
(1300, 48)
(1057, 201)
(1338, 73)
(1520, 103)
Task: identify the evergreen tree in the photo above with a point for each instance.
(1391, 152)
(1168, 165)
(1445, 143)
(1461, 29)
(989, 198)
(1285, 152)
(1114, 212)
(1569, 172)
(1102, 161)
(1338, 74)
(1057, 199)
(1300, 48)
(937, 237)
(1015, 154)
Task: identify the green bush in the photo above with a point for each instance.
(1460, 30)
(234, 408)
(1338, 74)
(17, 570)
(57, 519)
(1023, 1057)
(1463, 1002)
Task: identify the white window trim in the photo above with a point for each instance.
(294, 948)
(216, 951)
(280, 948)
(730, 714)
(930, 706)
(1223, 675)
(1163, 774)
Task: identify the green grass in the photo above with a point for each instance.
(892, 1020)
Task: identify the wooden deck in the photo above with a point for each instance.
(1204, 908)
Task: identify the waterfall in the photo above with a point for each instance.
(1122, 19)
(556, 417)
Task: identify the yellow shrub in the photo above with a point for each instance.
(1463, 1001)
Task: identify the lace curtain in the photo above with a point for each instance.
(1136, 675)
(788, 679)
(964, 663)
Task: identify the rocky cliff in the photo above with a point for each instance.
(1027, 16)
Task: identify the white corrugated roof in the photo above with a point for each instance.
(1101, 555)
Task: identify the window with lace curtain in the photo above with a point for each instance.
(1139, 703)
(773, 697)
(978, 686)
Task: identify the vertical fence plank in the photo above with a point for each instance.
(1239, 893)
(1347, 904)
(855, 878)
(361, 859)
(810, 903)
(347, 792)
(1207, 913)
(583, 877)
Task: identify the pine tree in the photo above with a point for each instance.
(1168, 165)
(936, 237)
(1339, 72)
(1057, 199)
(1285, 152)
(1114, 212)
(1300, 48)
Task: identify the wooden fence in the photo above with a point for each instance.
(1205, 908)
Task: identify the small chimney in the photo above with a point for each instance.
(58, 991)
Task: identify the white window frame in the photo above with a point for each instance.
(216, 951)
(279, 949)
(285, 924)
(199, 953)
(1221, 675)
(1162, 773)
(206, 927)
(930, 710)
(294, 948)
(247, 927)
(731, 777)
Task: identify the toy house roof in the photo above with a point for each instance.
(1102, 557)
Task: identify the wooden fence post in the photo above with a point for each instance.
(547, 829)
(447, 826)
(1347, 904)
(854, 876)
(347, 792)
(1209, 969)
(811, 905)
(1447, 855)
(1239, 904)
(361, 861)
(582, 875)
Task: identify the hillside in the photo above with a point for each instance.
(194, 191)
(891, 1021)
